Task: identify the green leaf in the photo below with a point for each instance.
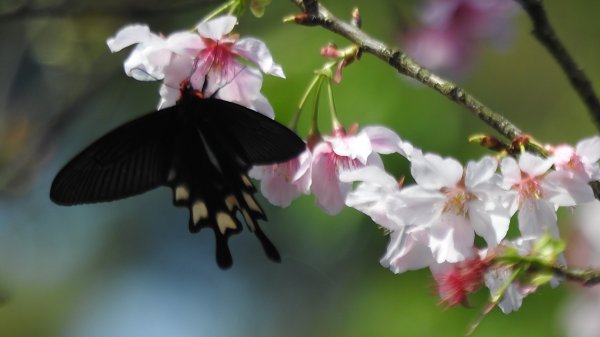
(257, 7)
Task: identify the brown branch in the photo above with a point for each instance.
(543, 31)
(315, 14)
(584, 277)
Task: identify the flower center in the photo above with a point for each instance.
(529, 187)
(456, 201)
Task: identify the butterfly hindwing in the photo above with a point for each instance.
(209, 177)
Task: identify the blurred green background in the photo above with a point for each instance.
(131, 268)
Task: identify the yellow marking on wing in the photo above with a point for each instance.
(182, 193)
(251, 203)
(249, 220)
(225, 221)
(246, 181)
(199, 211)
(231, 202)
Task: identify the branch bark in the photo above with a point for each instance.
(543, 31)
(315, 14)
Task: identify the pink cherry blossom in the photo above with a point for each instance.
(378, 197)
(578, 166)
(283, 182)
(408, 249)
(451, 30)
(210, 53)
(455, 204)
(497, 278)
(342, 152)
(538, 192)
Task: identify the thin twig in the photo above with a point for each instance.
(315, 14)
(543, 31)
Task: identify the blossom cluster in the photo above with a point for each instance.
(434, 222)
(211, 58)
(450, 31)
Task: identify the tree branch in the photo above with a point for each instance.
(315, 14)
(543, 31)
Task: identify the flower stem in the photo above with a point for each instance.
(229, 5)
(314, 128)
(309, 89)
(335, 122)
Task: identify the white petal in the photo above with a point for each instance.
(451, 239)
(480, 172)
(589, 149)
(496, 280)
(533, 165)
(386, 141)
(371, 174)
(536, 218)
(491, 223)
(563, 189)
(129, 35)
(511, 172)
(185, 44)
(405, 253)
(434, 172)
(420, 206)
(257, 52)
(354, 147)
(215, 29)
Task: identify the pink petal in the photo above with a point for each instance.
(257, 52)
(328, 190)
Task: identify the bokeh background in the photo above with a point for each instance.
(130, 268)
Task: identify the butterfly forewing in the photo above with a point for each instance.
(129, 160)
(202, 149)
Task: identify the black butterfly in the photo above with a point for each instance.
(201, 148)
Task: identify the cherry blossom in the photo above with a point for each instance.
(451, 30)
(455, 204)
(342, 152)
(456, 281)
(283, 182)
(210, 53)
(538, 192)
